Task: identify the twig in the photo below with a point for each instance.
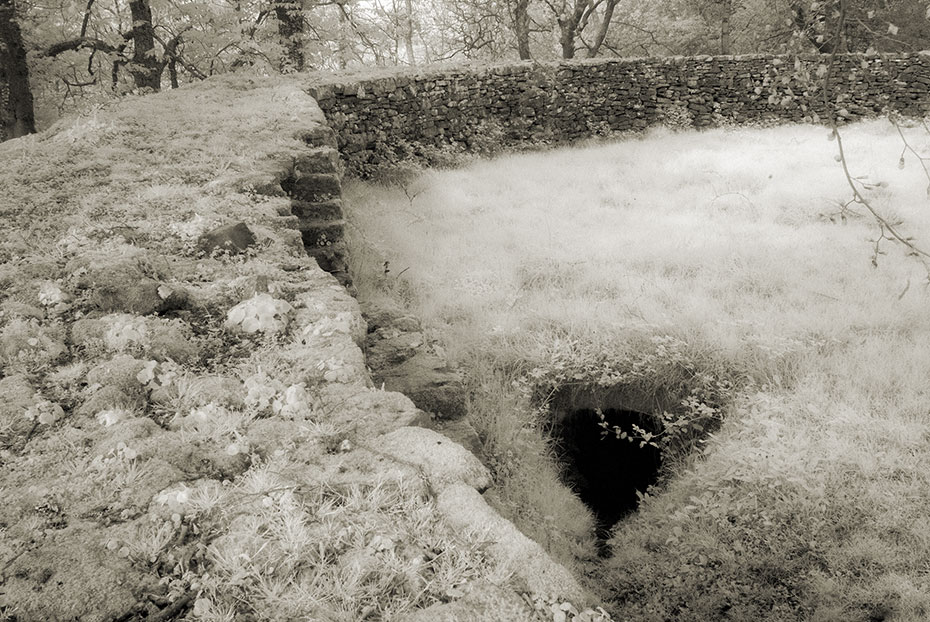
(908, 147)
(172, 610)
(32, 430)
(885, 227)
(7, 563)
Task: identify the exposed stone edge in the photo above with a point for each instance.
(454, 476)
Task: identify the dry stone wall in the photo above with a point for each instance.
(377, 119)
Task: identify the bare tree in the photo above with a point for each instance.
(726, 12)
(568, 17)
(889, 230)
(574, 17)
(408, 31)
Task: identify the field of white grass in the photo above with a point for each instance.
(719, 267)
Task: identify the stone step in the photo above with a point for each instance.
(321, 210)
(320, 160)
(313, 188)
(321, 234)
(319, 136)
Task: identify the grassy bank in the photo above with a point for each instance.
(717, 280)
(184, 430)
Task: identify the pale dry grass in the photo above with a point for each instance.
(706, 231)
(809, 501)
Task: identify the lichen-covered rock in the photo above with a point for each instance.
(326, 360)
(326, 300)
(125, 280)
(22, 309)
(30, 345)
(18, 398)
(120, 372)
(260, 313)
(148, 337)
(69, 574)
(370, 411)
(111, 397)
(172, 340)
(443, 462)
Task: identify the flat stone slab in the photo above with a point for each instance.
(444, 462)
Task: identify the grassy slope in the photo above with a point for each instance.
(153, 456)
(809, 502)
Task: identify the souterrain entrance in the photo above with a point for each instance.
(607, 472)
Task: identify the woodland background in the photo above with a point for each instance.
(59, 56)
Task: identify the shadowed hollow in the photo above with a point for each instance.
(604, 470)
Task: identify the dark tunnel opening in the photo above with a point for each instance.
(606, 472)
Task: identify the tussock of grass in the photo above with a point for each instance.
(577, 268)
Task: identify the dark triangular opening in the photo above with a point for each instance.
(606, 471)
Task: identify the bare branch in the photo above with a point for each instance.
(84, 24)
(80, 43)
(908, 147)
(887, 229)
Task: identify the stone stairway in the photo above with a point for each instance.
(315, 189)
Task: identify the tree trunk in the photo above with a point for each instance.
(601, 33)
(727, 7)
(568, 28)
(173, 72)
(567, 38)
(342, 54)
(290, 18)
(17, 113)
(145, 69)
(5, 115)
(521, 28)
(408, 31)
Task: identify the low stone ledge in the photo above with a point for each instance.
(466, 510)
(442, 461)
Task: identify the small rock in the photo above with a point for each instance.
(235, 239)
